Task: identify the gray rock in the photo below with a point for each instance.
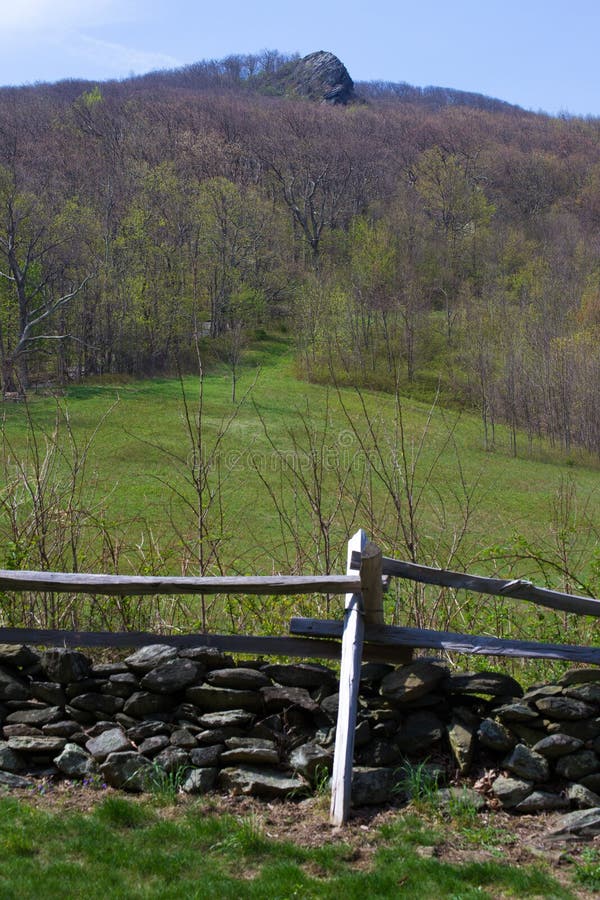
(462, 744)
(592, 782)
(122, 684)
(362, 734)
(260, 782)
(14, 782)
(542, 690)
(516, 712)
(419, 731)
(233, 743)
(380, 753)
(580, 676)
(218, 735)
(584, 729)
(85, 686)
(48, 692)
(556, 745)
(321, 76)
(150, 657)
(127, 771)
(330, 706)
(170, 677)
(231, 718)
(276, 699)
(412, 681)
(181, 737)
(64, 666)
(206, 757)
(172, 759)
(199, 781)
(37, 744)
(112, 741)
(214, 698)
(80, 715)
(21, 731)
(75, 762)
(311, 760)
(564, 708)
(9, 760)
(496, 736)
(541, 801)
(493, 684)
(140, 732)
(208, 657)
(18, 655)
(527, 764)
(453, 799)
(510, 791)
(581, 797)
(12, 686)
(253, 756)
(102, 704)
(107, 670)
(589, 693)
(153, 745)
(303, 675)
(584, 823)
(372, 786)
(38, 717)
(373, 673)
(527, 734)
(143, 703)
(241, 678)
(578, 765)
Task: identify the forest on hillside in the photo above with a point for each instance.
(405, 244)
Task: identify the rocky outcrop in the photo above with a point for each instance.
(269, 729)
(321, 76)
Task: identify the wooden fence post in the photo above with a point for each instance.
(352, 643)
(371, 586)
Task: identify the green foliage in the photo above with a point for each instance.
(120, 812)
(166, 786)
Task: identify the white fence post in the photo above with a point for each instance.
(352, 644)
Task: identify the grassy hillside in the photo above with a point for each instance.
(105, 479)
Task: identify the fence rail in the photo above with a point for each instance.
(518, 589)
(363, 632)
(139, 585)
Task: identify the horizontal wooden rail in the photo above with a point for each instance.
(231, 643)
(518, 589)
(138, 585)
(390, 635)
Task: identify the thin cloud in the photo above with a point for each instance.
(121, 59)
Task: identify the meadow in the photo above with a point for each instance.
(167, 475)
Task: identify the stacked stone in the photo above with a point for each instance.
(193, 713)
(548, 744)
(196, 716)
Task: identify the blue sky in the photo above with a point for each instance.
(541, 54)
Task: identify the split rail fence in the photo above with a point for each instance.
(363, 632)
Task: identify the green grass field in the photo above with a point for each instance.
(283, 479)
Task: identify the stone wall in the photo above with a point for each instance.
(268, 729)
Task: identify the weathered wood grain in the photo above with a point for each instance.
(518, 589)
(389, 635)
(138, 585)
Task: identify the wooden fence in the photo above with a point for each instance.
(363, 632)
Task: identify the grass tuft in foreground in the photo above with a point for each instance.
(125, 848)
